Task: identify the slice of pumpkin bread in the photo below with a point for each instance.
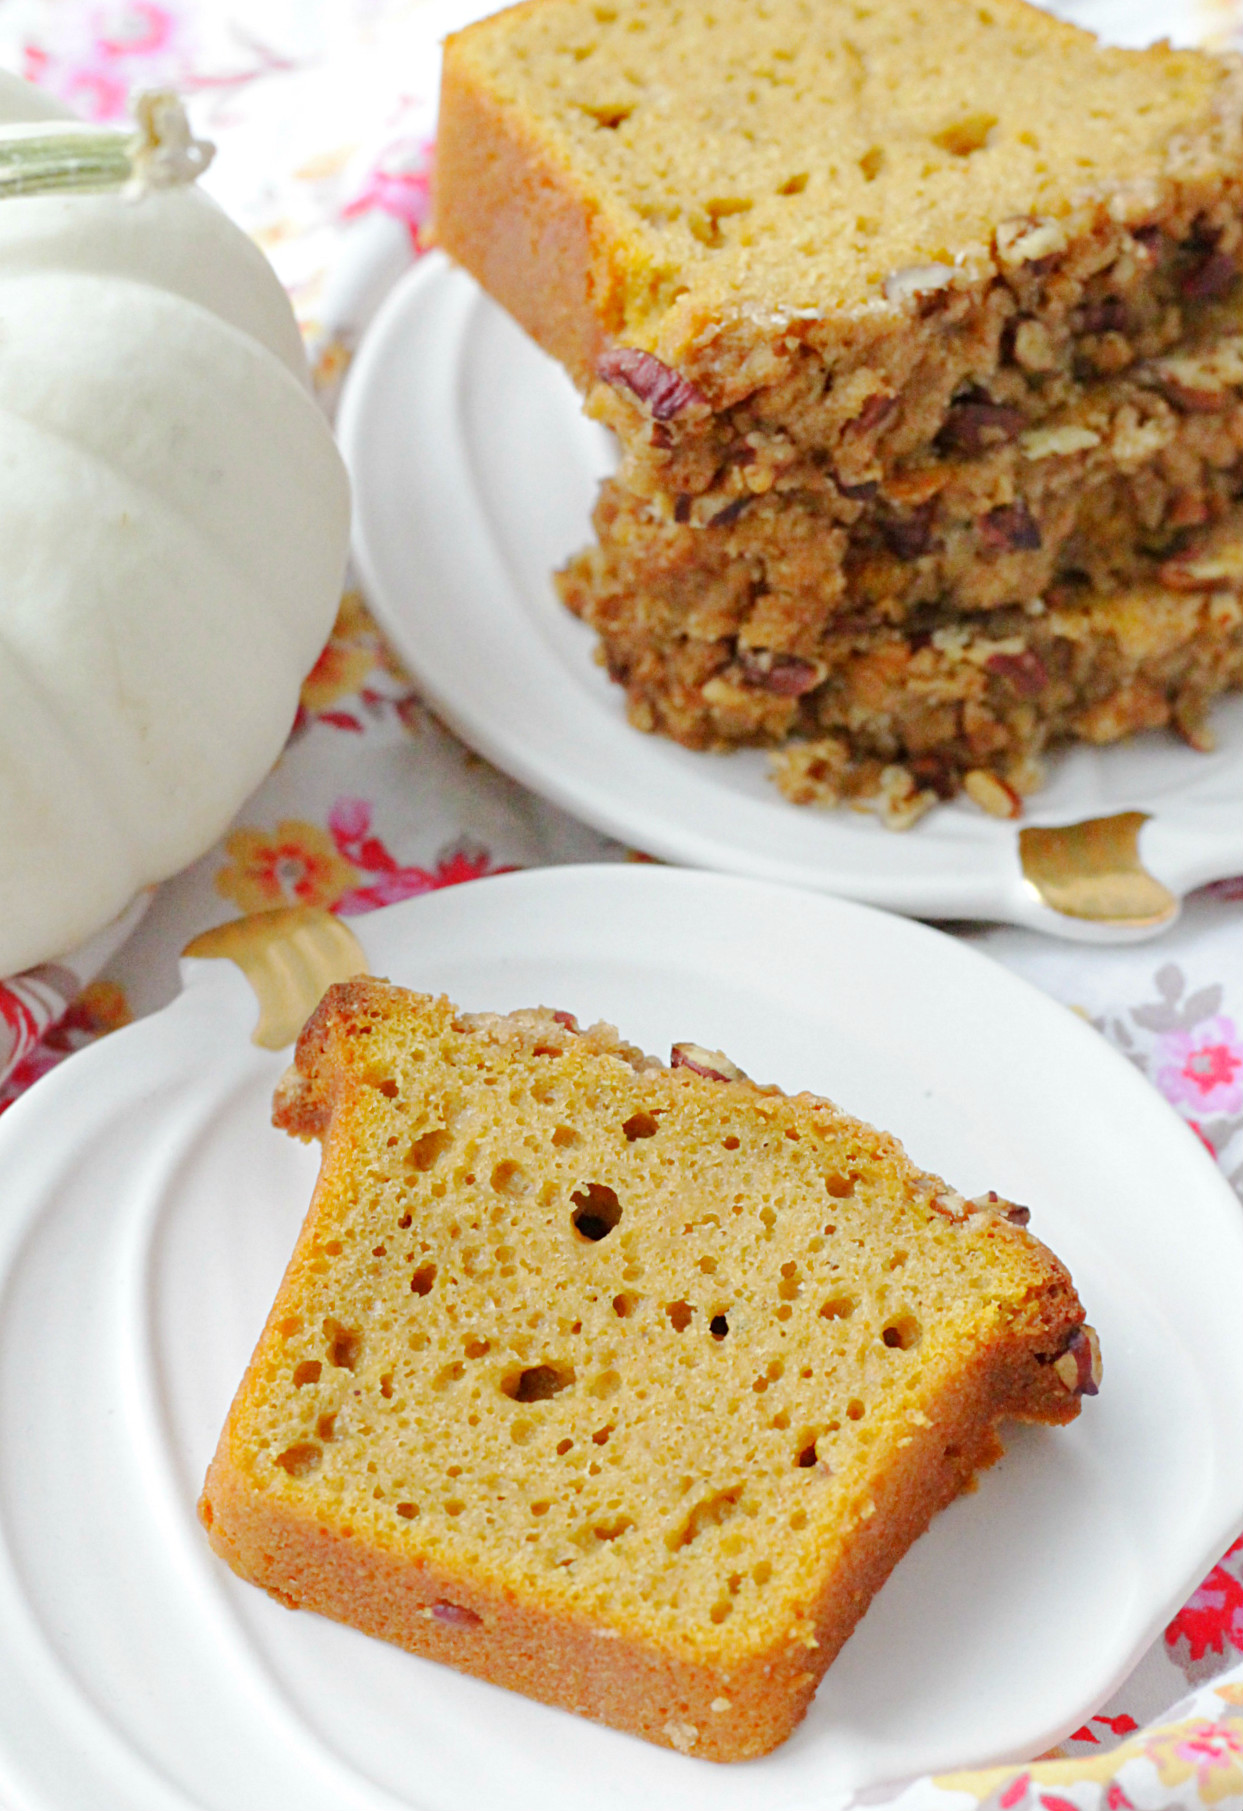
(621, 1385)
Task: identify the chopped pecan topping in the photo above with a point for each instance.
(934, 772)
(975, 422)
(908, 535)
(1212, 277)
(682, 507)
(713, 1064)
(785, 674)
(1109, 316)
(1215, 569)
(731, 511)
(875, 411)
(991, 793)
(567, 1019)
(1028, 240)
(1025, 673)
(858, 493)
(915, 280)
(1012, 529)
(663, 391)
(455, 1613)
(1079, 1366)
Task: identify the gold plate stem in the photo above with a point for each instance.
(1092, 870)
(290, 956)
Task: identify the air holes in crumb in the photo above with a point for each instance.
(596, 1211)
(422, 1280)
(454, 1506)
(718, 1326)
(609, 1531)
(601, 1435)
(541, 1508)
(839, 1186)
(624, 1305)
(839, 1308)
(477, 1348)
(731, 1143)
(307, 1372)
(539, 1383)
(794, 185)
(509, 1178)
(789, 1286)
(896, 1261)
(872, 163)
(609, 119)
(344, 1345)
(404, 1221)
(564, 1137)
(300, 1460)
(798, 1520)
(966, 135)
(388, 1088)
(563, 1447)
(386, 1386)
(407, 1511)
(641, 1125)
(902, 1332)
(807, 1457)
(720, 1611)
(680, 1315)
(425, 1150)
(325, 1425)
(291, 1325)
(708, 1266)
(854, 1409)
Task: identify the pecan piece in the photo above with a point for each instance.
(875, 411)
(664, 391)
(1027, 240)
(1079, 1366)
(1109, 316)
(992, 1203)
(915, 280)
(1216, 569)
(991, 793)
(909, 535)
(785, 674)
(455, 1613)
(858, 493)
(567, 1019)
(713, 1064)
(1212, 277)
(731, 511)
(1011, 529)
(1025, 673)
(975, 422)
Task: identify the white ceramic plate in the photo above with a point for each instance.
(147, 1213)
(474, 475)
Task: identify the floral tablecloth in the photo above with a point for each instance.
(324, 115)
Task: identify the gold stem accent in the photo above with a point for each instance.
(290, 956)
(1093, 871)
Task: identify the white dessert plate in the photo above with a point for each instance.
(474, 475)
(147, 1213)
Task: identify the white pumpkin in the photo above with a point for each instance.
(173, 530)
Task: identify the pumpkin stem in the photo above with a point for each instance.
(70, 156)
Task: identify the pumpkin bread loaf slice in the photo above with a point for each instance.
(621, 1385)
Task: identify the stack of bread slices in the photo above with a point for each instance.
(920, 330)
